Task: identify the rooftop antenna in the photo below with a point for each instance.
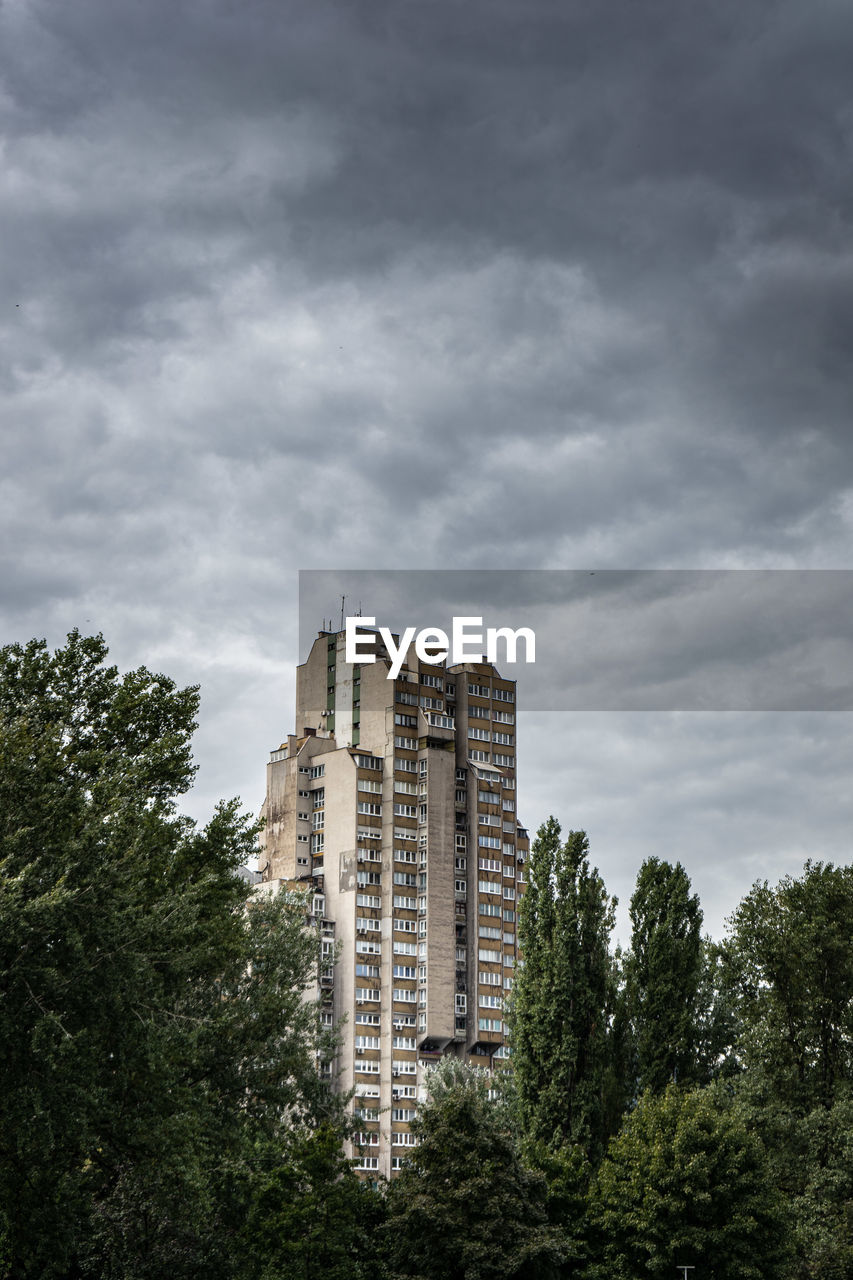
(343, 598)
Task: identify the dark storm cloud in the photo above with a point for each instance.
(499, 284)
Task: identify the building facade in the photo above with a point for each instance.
(394, 802)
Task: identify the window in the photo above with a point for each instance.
(432, 682)
(489, 797)
(303, 839)
(365, 1090)
(404, 926)
(367, 924)
(366, 806)
(440, 721)
(422, 768)
(367, 1042)
(367, 1162)
(485, 931)
(481, 735)
(435, 704)
(506, 761)
(367, 993)
(478, 690)
(303, 817)
(509, 916)
(404, 855)
(368, 762)
(318, 770)
(503, 717)
(490, 1002)
(405, 766)
(317, 819)
(369, 877)
(476, 712)
(488, 864)
(405, 877)
(404, 904)
(403, 1139)
(405, 1115)
(486, 979)
(406, 744)
(403, 994)
(403, 1067)
(461, 864)
(461, 1002)
(404, 971)
(488, 842)
(489, 909)
(489, 1024)
(368, 948)
(403, 1042)
(408, 699)
(405, 948)
(481, 756)
(371, 900)
(405, 788)
(317, 842)
(368, 1019)
(404, 811)
(504, 739)
(488, 957)
(509, 892)
(461, 886)
(503, 695)
(367, 784)
(405, 721)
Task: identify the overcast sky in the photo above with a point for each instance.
(432, 284)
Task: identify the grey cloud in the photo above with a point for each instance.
(498, 284)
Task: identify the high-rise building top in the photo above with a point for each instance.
(395, 802)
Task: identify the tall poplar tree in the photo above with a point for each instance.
(563, 990)
(664, 973)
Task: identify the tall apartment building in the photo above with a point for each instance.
(395, 802)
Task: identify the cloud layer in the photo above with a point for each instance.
(493, 285)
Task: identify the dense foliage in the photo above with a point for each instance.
(156, 1055)
(559, 1011)
(162, 1114)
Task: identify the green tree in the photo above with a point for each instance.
(153, 1032)
(465, 1207)
(790, 957)
(789, 961)
(311, 1216)
(686, 1183)
(563, 996)
(664, 972)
